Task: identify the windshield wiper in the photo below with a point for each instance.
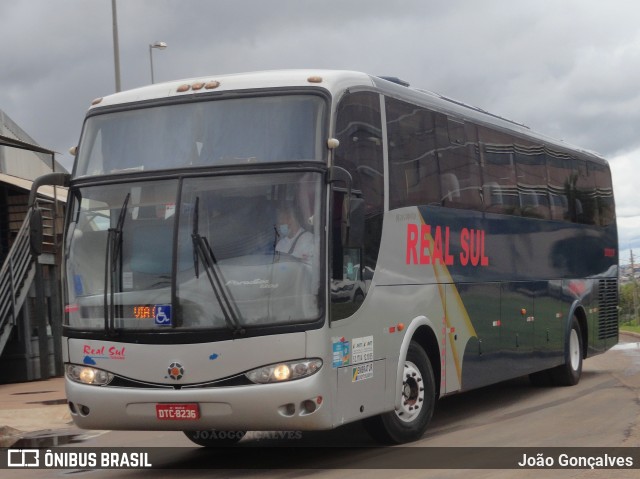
(112, 258)
(202, 252)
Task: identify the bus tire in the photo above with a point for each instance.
(418, 397)
(568, 374)
(214, 438)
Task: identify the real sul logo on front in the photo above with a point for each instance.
(92, 353)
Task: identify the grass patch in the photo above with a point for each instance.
(630, 327)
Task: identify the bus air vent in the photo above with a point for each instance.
(608, 308)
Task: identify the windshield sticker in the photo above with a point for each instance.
(169, 210)
(77, 285)
(127, 280)
(341, 352)
(213, 357)
(262, 283)
(362, 372)
(362, 349)
(162, 315)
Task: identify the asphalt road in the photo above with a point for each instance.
(603, 410)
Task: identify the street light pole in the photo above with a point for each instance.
(159, 46)
(116, 47)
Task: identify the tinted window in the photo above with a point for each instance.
(531, 174)
(584, 194)
(499, 188)
(359, 130)
(460, 183)
(604, 194)
(413, 164)
(560, 184)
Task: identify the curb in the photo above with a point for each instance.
(630, 333)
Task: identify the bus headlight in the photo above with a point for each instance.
(88, 375)
(287, 371)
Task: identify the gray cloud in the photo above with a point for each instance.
(568, 69)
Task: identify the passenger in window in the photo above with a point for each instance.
(293, 239)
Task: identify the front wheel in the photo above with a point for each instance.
(214, 438)
(417, 400)
(568, 374)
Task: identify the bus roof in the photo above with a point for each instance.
(335, 82)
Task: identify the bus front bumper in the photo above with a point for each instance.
(294, 405)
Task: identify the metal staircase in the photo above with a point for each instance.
(16, 276)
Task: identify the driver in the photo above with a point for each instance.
(293, 238)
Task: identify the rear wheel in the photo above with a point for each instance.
(417, 400)
(569, 373)
(214, 438)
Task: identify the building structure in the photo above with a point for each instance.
(30, 306)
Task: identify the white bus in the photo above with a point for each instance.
(297, 250)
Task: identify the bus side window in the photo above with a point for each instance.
(531, 173)
(359, 130)
(499, 188)
(604, 194)
(559, 174)
(458, 161)
(413, 164)
(585, 193)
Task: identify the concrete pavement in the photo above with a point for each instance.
(31, 407)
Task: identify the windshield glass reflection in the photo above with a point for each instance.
(206, 133)
(235, 251)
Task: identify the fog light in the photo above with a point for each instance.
(308, 407)
(287, 410)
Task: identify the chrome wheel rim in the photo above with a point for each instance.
(574, 350)
(412, 393)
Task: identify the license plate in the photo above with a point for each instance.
(177, 412)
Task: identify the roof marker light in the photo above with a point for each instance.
(212, 85)
(314, 79)
(197, 86)
(96, 101)
(183, 88)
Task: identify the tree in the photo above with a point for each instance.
(626, 303)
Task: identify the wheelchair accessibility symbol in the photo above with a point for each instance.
(163, 315)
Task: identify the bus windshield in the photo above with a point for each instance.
(275, 128)
(212, 252)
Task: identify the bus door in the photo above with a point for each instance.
(362, 375)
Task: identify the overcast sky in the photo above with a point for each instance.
(569, 69)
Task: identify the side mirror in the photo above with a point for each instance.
(36, 232)
(51, 179)
(35, 221)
